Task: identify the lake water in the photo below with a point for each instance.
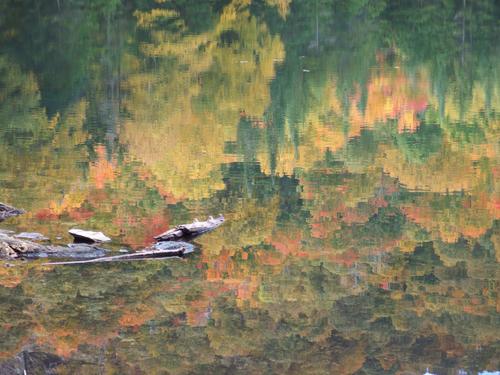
(353, 147)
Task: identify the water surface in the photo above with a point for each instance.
(353, 148)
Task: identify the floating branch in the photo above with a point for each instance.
(141, 255)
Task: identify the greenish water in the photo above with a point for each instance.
(353, 147)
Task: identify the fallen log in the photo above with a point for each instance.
(12, 247)
(7, 211)
(175, 249)
(15, 248)
(74, 251)
(191, 230)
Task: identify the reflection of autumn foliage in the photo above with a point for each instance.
(226, 273)
(469, 216)
(317, 136)
(265, 294)
(342, 203)
(286, 242)
(102, 170)
(438, 174)
(282, 6)
(45, 173)
(138, 316)
(140, 231)
(12, 276)
(164, 114)
(392, 94)
(395, 95)
(383, 252)
(66, 342)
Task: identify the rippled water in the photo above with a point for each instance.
(353, 148)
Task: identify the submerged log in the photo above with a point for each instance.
(7, 211)
(165, 250)
(15, 248)
(168, 245)
(191, 230)
(74, 251)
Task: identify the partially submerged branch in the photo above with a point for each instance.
(140, 255)
(168, 245)
(191, 230)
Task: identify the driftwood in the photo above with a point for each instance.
(168, 245)
(141, 255)
(74, 251)
(174, 249)
(15, 248)
(7, 211)
(191, 230)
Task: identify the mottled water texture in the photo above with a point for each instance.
(352, 146)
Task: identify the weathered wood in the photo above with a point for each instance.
(168, 245)
(191, 230)
(74, 251)
(14, 248)
(152, 253)
(7, 211)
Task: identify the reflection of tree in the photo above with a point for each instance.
(54, 42)
(54, 179)
(54, 144)
(352, 243)
(261, 310)
(226, 72)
